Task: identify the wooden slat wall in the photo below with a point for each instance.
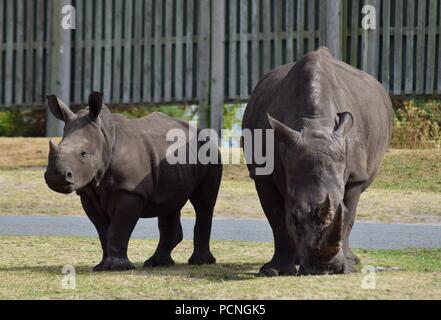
(410, 49)
(154, 51)
(24, 46)
(136, 51)
(263, 34)
(2, 40)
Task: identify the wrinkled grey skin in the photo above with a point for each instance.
(118, 167)
(333, 128)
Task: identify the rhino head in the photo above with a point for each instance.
(84, 153)
(314, 163)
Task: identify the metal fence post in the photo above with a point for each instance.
(204, 61)
(334, 27)
(60, 60)
(371, 39)
(217, 64)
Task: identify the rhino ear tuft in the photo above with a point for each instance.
(95, 104)
(283, 132)
(59, 109)
(346, 121)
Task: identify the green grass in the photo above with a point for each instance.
(411, 170)
(29, 269)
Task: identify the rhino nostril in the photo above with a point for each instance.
(69, 177)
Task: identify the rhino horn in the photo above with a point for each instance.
(333, 234)
(53, 148)
(326, 210)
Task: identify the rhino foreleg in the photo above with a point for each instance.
(351, 198)
(101, 222)
(285, 256)
(126, 210)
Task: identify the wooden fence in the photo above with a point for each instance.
(205, 52)
(136, 51)
(404, 52)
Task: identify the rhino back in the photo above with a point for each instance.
(139, 162)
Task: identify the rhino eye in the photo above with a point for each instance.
(83, 154)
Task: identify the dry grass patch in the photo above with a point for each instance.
(407, 189)
(25, 193)
(24, 152)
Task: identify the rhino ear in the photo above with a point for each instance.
(284, 133)
(95, 105)
(59, 109)
(346, 121)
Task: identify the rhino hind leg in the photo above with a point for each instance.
(285, 256)
(202, 232)
(203, 200)
(170, 235)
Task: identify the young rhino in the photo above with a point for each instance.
(119, 169)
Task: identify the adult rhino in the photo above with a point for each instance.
(333, 128)
(118, 167)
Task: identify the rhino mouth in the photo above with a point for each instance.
(316, 271)
(65, 188)
(316, 266)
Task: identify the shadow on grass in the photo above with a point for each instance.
(216, 273)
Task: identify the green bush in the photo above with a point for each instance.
(22, 123)
(417, 123)
(415, 127)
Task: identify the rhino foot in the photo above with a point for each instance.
(273, 270)
(350, 265)
(159, 261)
(201, 259)
(114, 264)
(354, 258)
(99, 266)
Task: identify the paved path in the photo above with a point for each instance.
(364, 235)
